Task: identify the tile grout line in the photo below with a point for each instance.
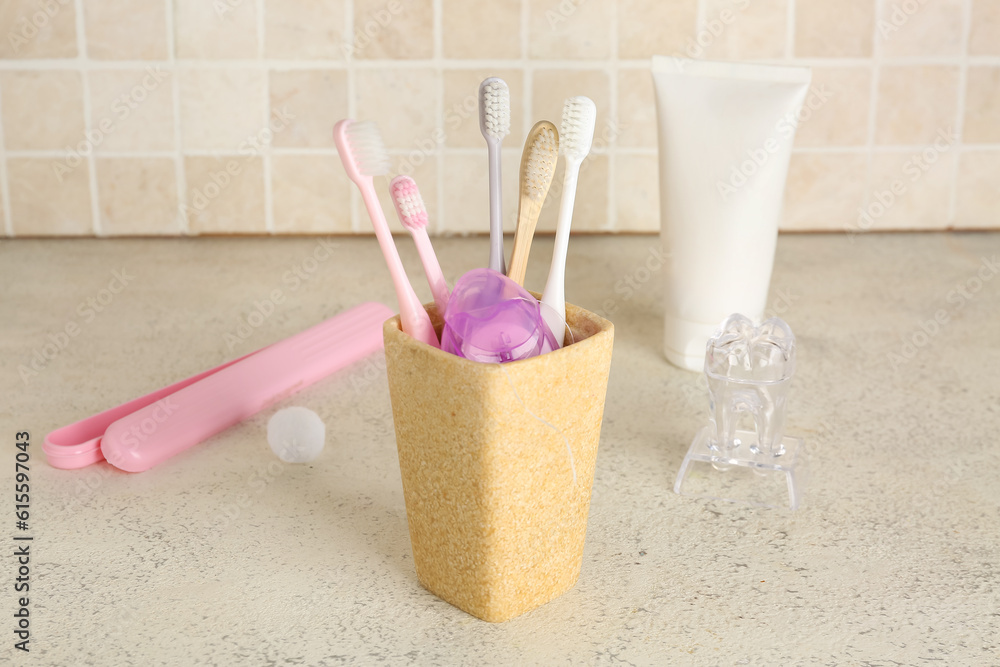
(470, 150)
(266, 151)
(81, 38)
(354, 198)
(700, 17)
(872, 115)
(438, 34)
(180, 176)
(611, 221)
(8, 223)
(455, 63)
(527, 103)
(963, 85)
(790, 30)
(524, 27)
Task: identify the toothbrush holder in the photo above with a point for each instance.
(497, 463)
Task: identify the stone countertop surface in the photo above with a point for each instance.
(224, 555)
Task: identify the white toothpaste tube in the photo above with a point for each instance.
(725, 137)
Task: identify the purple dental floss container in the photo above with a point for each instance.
(492, 319)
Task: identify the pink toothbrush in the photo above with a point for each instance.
(364, 156)
(413, 214)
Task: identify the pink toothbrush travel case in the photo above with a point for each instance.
(149, 430)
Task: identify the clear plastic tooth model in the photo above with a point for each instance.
(749, 370)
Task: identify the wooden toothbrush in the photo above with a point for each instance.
(538, 166)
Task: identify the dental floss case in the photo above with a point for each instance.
(492, 319)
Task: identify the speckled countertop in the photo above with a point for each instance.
(225, 556)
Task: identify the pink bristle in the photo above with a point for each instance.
(409, 203)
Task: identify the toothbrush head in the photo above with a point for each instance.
(409, 204)
(578, 121)
(361, 149)
(494, 108)
(538, 165)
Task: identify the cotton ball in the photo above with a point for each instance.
(296, 435)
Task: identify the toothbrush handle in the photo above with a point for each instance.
(412, 315)
(435, 277)
(527, 218)
(497, 262)
(554, 295)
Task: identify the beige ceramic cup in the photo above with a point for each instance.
(497, 462)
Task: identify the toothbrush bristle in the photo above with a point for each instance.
(541, 163)
(367, 149)
(409, 203)
(577, 132)
(494, 108)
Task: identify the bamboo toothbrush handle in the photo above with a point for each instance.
(527, 219)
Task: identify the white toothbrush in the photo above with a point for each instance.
(364, 156)
(575, 138)
(494, 123)
(413, 214)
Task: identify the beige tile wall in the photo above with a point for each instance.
(214, 116)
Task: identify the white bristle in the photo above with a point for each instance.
(367, 148)
(409, 203)
(495, 108)
(577, 132)
(541, 164)
(412, 207)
